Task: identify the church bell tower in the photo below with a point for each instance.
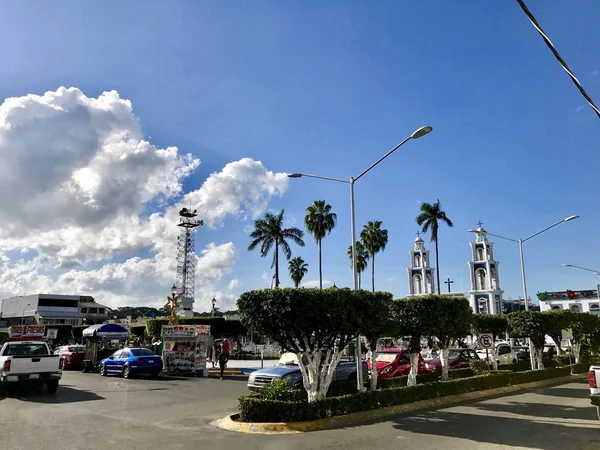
(420, 273)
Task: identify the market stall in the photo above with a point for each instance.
(185, 348)
(101, 341)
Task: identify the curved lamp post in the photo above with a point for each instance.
(418, 133)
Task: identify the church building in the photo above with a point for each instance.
(420, 273)
(485, 295)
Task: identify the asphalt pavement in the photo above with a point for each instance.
(92, 412)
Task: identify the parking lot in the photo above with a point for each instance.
(93, 412)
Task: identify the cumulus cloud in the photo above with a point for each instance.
(78, 179)
(315, 283)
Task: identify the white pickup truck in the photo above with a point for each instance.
(29, 362)
(593, 380)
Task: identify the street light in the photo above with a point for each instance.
(23, 315)
(596, 272)
(418, 133)
(520, 242)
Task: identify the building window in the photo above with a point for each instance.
(93, 310)
(594, 306)
(480, 281)
(575, 308)
(480, 254)
(417, 284)
(101, 311)
(556, 307)
(417, 260)
(483, 306)
(84, 310)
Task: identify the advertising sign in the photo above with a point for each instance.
(179, 331)
(26, 331)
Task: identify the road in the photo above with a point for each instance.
(91, 412)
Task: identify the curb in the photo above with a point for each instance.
(230, 423)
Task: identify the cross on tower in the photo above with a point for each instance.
(418, 233)
(480, 223)
(448, 282)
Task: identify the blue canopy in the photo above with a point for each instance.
(107, 331)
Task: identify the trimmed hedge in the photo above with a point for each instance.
(219, 326)
(254, 409)
(427, 377)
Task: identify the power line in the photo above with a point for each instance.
(562, 62)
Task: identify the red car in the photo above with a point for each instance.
(458, 358)
(71, 356)
(394, 362)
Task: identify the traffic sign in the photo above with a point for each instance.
(52, 333)
(486, 340)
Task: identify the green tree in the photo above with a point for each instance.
(583, 326)
(319, 222)
(316, 324)
(494, 324)
(454, 318)
(414, 318)
(534, 325)
(362, 259)
(297, 269)
(374, 239)
(269, 233)
(558, 320)
(377, 322)
(429, 219)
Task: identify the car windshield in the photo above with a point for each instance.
(77, 349)
(25, 350)
(141, 352)
(386, 357)
(453, 354)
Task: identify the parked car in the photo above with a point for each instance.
(504, 354)
(70, 356)
(128, 362)
(458, 358)
(522, 353)
(593, 380)
(287, 369)
(394, 362)
(29, 363)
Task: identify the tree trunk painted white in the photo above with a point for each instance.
(493, 355)
(318, 374)
(539, 353)
(373, 369)
(444, 363)
(576, 349)
(414, 369)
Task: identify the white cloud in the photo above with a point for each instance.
(233, 284)
(315, 283)
(579, 109)
(78, 179)
(266, 275)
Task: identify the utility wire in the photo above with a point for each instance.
(562, 62)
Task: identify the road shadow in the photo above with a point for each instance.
(581, 391)
(540, 410)
(63, 395)
(497, 430)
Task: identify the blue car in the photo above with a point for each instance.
(128, 362)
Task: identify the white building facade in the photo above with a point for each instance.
(420, 272)
(576, 301)
(485, 295)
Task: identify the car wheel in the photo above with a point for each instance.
(103, 370)
(126, 372)
(52, 386)
(61, 364)
(154, 374)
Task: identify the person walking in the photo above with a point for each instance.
(224, 356)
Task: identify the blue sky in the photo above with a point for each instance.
(328, 87)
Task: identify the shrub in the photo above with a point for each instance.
(478, 366)
(427, 377)
(255, 409)
(281, 390)
(562, 360)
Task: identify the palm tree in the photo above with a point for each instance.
(269, 233)
(362, 259)
(429, 219)
(297, 268)
(374, 239)
(319, 222)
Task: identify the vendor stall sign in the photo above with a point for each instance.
(26, 331)
(184, 331)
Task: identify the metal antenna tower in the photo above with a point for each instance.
(186, 260)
